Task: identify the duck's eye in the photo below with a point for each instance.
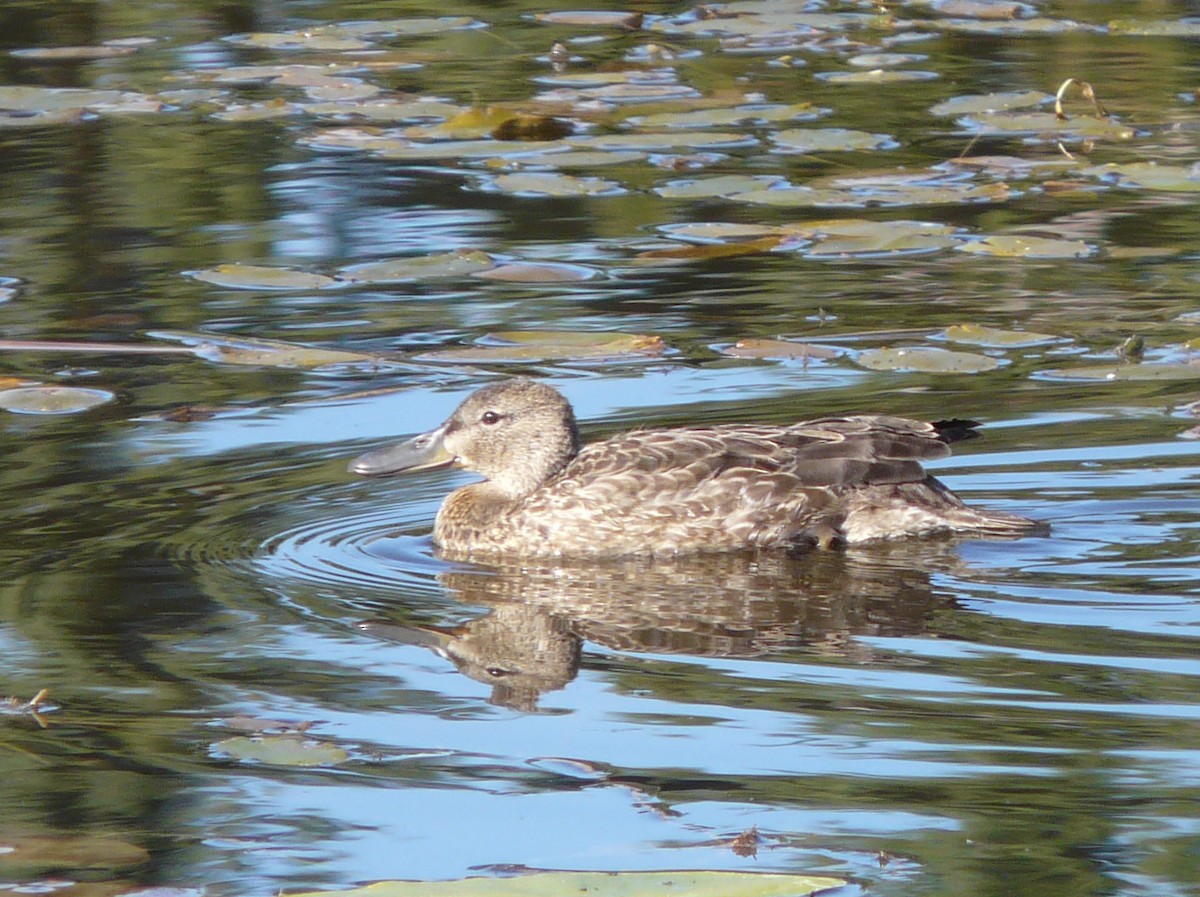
(489, 418)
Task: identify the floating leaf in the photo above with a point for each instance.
(1189, 27)
(820, 140)
(581, 159)
(59, 54)
(265, 352)
(545, 183)
(543, 345)
(1012, 27)
(260, 277)
(991, 102)
(1016, 246)
(539, 272)
(589, 18)
(876, 76)
(777, 348)
(726, 116)
(281, 750)
(30, 855)
(992, 336)
(407, 27)
(846, 237)
(52, 399)
(717, 231)
(425, 267)
(681, 139)
(1046, 123)
(703, 883)
(884, 60)
(1150, 371)
(298, 40)
(1149, 176)
(925, 360)
(25, 99)
(469, 124)
(457, 149)
(722, 185)
(714, 250)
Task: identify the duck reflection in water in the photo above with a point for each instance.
(530, 640)
(825, 482)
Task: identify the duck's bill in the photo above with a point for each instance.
(424, 452)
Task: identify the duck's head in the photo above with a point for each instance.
(517, 434)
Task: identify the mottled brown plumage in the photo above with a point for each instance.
(820, 482)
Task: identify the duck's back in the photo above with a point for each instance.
(722, 488)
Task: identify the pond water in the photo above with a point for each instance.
(260, 675)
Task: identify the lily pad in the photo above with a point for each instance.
(777, 348)
(546, 183)
(1189, 27)
(722, 117)
(821, 140)
(1105, 372)
(1017, 246)
(717, 231)
(680, 139)
(979, 335)
(298, 40)
(543, 345)
(722, 185)
(281, 750)
(1149, 176)
(925, 360)
(702, 883)
(707, 251)
(991, 102)
(265, 352)
(30, 855)
(406, 27)
(424, 267)
(539, 272)
(592, 18)
(52, 399)
(1046, 123)
(260, 277)
(877, 76)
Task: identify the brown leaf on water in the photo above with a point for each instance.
(258, 724)
(746, 844)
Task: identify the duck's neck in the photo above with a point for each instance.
(469, 513)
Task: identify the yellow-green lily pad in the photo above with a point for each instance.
(25, 856)
(1149, 176)
(264, 352)
(1149, 371)
(298, 40)
(462, 263)
(980, 335)
(1018, 246)
(261, 277)
(549, 183)
(539, 272)
(406, 27)
(755, 347)
(52, 399)
(991, 102)
(821, 140)
(544, 345)
(877, 76)
(1047, 123)
(281, 750)
(1189, 27)
(926, 360)
(723, 117)
(702, 883)
(717, 231)
(721, 185)
(663, 141)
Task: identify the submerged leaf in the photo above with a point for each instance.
(539, 272)
(542, 345)
(926, 360)
(708, 251)
(1150, 371)
(30, 855)
(777, 348)
(264, 352)
(1016, 246)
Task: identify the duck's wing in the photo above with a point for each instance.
(734, 464)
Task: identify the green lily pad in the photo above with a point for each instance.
(547, 183)
(52, 399)
(821, 140)
(754, 347)
(298, 40)
(424, 267)
(261, 277)
(703, 883)
(723, 117)
(979, 335)
(592, 18)
(717, 231)
(1105, 372)
(1149, 176)
(722, 185)
(264, 352)
(884, 60)
(991, 102)
(664, 141)
(30, 855)
(1189, 27)
(925, 360)
(281, 750)
(876, 76)
(400, 148)
(545, 345)
(409, 27)
(539, 272)
(1047, 123)
(1018, 246)
(572, 159)
(1012, 27)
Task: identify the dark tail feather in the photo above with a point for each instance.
(956, 429)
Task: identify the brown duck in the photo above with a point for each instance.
(823, 482)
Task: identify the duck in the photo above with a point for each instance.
(824, 483)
